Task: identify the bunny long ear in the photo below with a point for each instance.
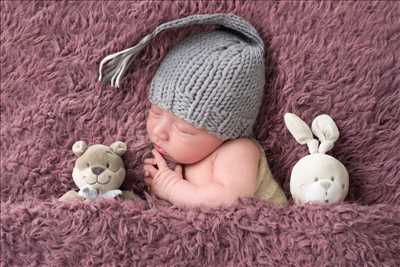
(327, 132)
(301, 132)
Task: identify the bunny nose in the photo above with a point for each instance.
(325, 185)
(97, 170)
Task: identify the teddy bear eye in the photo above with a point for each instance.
(108, 165)
(316, 179)
(87, 164)
(332, 178)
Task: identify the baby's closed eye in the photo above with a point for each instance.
(155, 112)
(185, 129)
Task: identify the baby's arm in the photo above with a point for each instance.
(234, 175)
(186, 194)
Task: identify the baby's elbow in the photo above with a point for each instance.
(211, 196)
(223, 197)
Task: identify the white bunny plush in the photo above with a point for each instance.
(318, 177)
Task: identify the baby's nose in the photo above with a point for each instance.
(162, 127)
(162, 135)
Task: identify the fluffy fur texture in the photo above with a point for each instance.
(322, 57)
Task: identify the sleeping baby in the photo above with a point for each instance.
(205, 98)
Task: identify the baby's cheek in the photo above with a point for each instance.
(195, 152)
(148, 125)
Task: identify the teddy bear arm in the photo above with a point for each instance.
(128, 195)
(71, 195)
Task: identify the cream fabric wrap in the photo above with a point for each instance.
(267, 188)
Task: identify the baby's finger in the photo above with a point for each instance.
(178, 169)
(149, 164)
(160, 160)
(150, 161)
(150, 169)
(145, 169)
(149, 183)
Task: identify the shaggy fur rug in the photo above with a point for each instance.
(322, 57)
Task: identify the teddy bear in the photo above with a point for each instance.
(99, 171)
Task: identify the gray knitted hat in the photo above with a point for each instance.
(211, 79)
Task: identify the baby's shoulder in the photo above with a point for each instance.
(236, 165)
(239, 146)
(237, 151)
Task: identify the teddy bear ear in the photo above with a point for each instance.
(119, 147)
(79, 148)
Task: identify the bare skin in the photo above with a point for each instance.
(209, 171)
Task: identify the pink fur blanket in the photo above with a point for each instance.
(339, 58)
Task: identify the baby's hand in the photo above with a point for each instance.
(161, 180)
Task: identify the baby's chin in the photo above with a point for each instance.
(184, 161)
(170, 158)
(173, 159)
(171, 162)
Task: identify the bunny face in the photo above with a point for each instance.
(319, 178)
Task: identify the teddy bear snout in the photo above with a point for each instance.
(97, 170)
(326, 184)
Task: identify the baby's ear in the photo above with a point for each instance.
(119, 147)
(79, 148)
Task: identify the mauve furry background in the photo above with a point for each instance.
(322, 57)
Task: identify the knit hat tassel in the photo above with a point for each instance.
(114, 66)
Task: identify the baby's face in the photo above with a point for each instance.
(178, 139)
